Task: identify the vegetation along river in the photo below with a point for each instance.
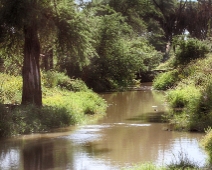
(130, 133)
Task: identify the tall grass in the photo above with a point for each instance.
(206, 143)
(190, 100)
(164, 81)
(30, 119)
(10, 89)
(65, 102)
(179, 162)
(78, 103)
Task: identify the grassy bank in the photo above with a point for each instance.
(189, 95)
(65, 102)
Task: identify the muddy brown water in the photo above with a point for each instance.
(131, 132)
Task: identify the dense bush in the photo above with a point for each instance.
(53, 79)
(78, 103)
(10, 89)
(164, 81)
(185, 105)
(190, 101)
(61, 107)
(189, 49)
(184, 97)
(206, 143)
(30, 119)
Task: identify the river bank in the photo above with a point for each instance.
(130, 133)
(66, 102)
(188, 88)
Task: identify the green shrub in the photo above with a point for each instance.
(75, 85)
(193, 94)
(187, 97)
(184, 104)
(206, 143)
(29, 119)
(10, 89)
(165, 80)
(189, 49)
(78, 103)
(62, 107)
(52, 79)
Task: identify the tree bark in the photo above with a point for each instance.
(51, 62)
(32, 93)
(47, 60)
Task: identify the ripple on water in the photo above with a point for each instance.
(91, 133)
(183, 149)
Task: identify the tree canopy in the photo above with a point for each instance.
(30, 22)
(103, 42)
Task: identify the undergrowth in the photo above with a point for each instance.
(65, 102)
(190, 101)
(164, 81)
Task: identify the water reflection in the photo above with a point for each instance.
(131, 132)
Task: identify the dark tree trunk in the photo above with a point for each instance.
(51, 62)
(31, 70)
(47, 60)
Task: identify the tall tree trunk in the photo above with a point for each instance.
(31, 70)
(47, 60)
(51, 62)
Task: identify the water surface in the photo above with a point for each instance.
(131, 132)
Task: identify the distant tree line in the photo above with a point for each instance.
(102, 42)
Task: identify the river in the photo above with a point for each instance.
(131, 132)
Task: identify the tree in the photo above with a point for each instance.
(198, 18)
(28, 20)
(154, 19)
(120, 51)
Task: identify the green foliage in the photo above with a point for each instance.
(187, 111)
(206, 143)
(11, 86)
(11, 61)
(184, 97)
(164, 81)
(190, 101)
(72, 84)
(75, 36)
(52, 79)
(62, 107)
(144, 54)
(120, 52)
(30, 119)
(10, 89)
(78, 103)
(49, 79)
(189, 49)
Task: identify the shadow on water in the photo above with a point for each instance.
(95, 149)
(151, 117)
